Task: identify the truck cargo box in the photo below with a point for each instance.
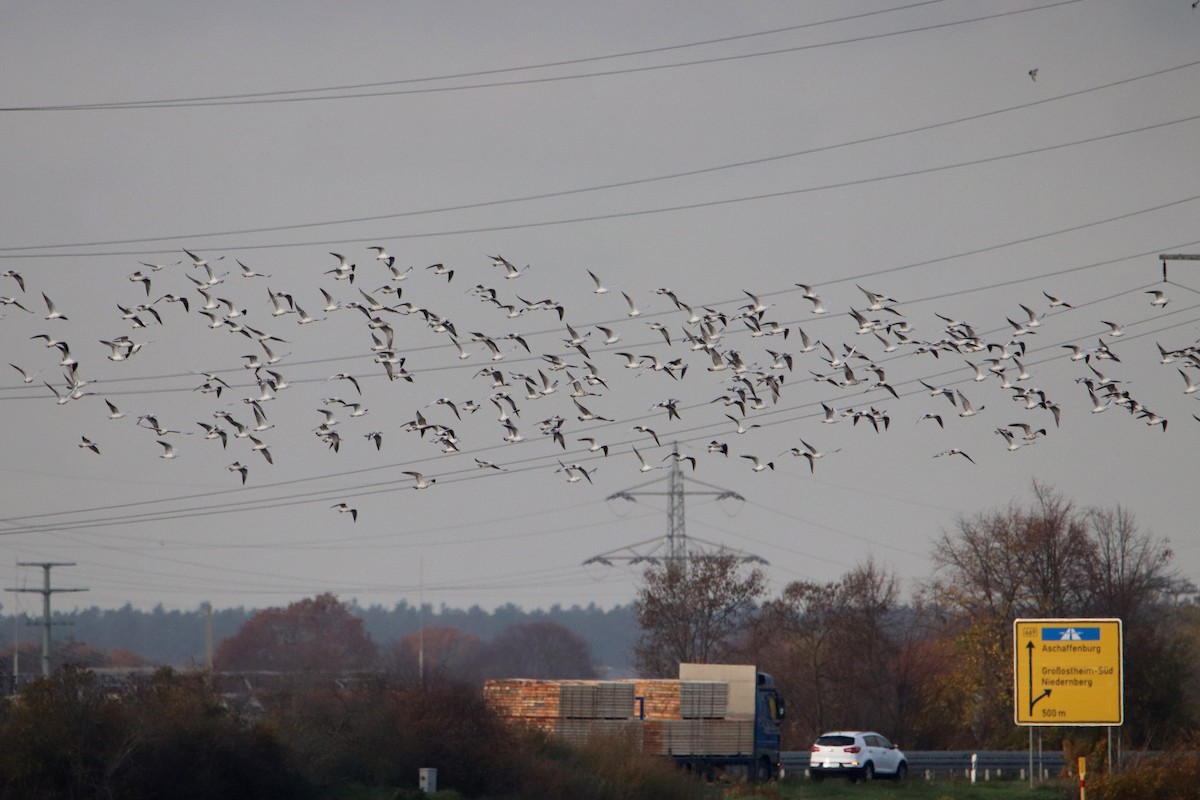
(742, 680)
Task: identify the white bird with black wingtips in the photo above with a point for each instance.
(421, 482)
(758, 465)
(52, 311)
(342, 508)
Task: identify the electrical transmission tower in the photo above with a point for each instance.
(675, 545)
(45, 592)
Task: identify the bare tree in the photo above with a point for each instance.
(692, 609)
(999, 566)
(1131, 578)
(1016, 562)
(1131, 573)
(1055, 549)
(822, 639)
(795, 636)
(869, 596)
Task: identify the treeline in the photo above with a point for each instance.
(128, 636)
(322, 635)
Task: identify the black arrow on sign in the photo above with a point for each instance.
(1033, 701)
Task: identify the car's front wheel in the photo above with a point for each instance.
(901, 771)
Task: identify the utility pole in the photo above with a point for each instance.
(421, 622)
(45, 592)
(208, 640)
(1165, 257)
(676, 540)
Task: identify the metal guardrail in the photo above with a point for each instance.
(999, 764)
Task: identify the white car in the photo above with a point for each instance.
(858, 755)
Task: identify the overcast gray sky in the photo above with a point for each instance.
(710, 149)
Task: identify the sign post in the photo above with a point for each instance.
(1068, 672)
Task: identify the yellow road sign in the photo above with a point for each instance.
(1068, 672)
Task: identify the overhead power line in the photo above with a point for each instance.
(606, 186)
(485, 72)
(296, 98)
(645, 211)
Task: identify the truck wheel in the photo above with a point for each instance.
(762, 771)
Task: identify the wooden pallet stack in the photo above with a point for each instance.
(560, 699)
(573, 710)
(676, 699)
(698, 736)
(688, 718)
(672, 717)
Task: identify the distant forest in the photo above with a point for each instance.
(176, 638)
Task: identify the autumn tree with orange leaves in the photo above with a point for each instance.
(436, 652)
(317, 634)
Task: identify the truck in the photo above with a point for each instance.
(714, 718)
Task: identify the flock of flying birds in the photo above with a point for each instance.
(547, 377)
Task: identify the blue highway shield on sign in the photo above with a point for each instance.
(1070, 634)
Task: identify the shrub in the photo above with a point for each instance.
(1169, 776)
(72, 736)
(604, 768)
